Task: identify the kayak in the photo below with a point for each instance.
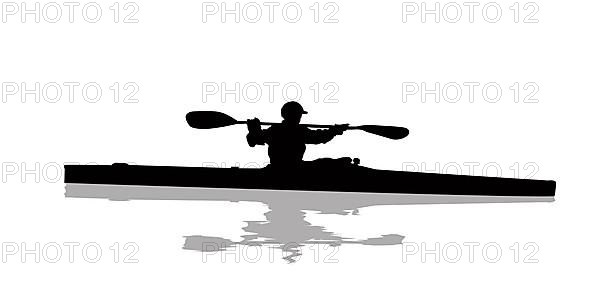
(323, 178)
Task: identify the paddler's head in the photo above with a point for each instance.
(292, 112)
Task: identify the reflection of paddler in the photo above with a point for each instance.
(286, 226)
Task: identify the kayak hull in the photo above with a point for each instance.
(351, 179)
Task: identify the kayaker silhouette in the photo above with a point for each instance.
(287, 140)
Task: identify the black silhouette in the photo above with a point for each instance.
(288, 172)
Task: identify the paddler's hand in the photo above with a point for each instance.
(253, 124)
(338, 129)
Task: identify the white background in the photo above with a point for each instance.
(368, 54)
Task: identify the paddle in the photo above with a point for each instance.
(215, 119)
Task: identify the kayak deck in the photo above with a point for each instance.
(346, 179)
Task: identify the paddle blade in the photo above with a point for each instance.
(208, 119)
(390, 132)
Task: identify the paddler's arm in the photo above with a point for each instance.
(255, 136)
(323, 136)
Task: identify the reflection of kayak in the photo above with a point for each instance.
(345, 178)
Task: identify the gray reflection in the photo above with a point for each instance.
(285, 227)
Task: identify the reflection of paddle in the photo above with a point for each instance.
(215, 119)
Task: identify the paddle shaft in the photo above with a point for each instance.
(307, 125)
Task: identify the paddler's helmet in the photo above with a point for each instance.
(292, 109)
